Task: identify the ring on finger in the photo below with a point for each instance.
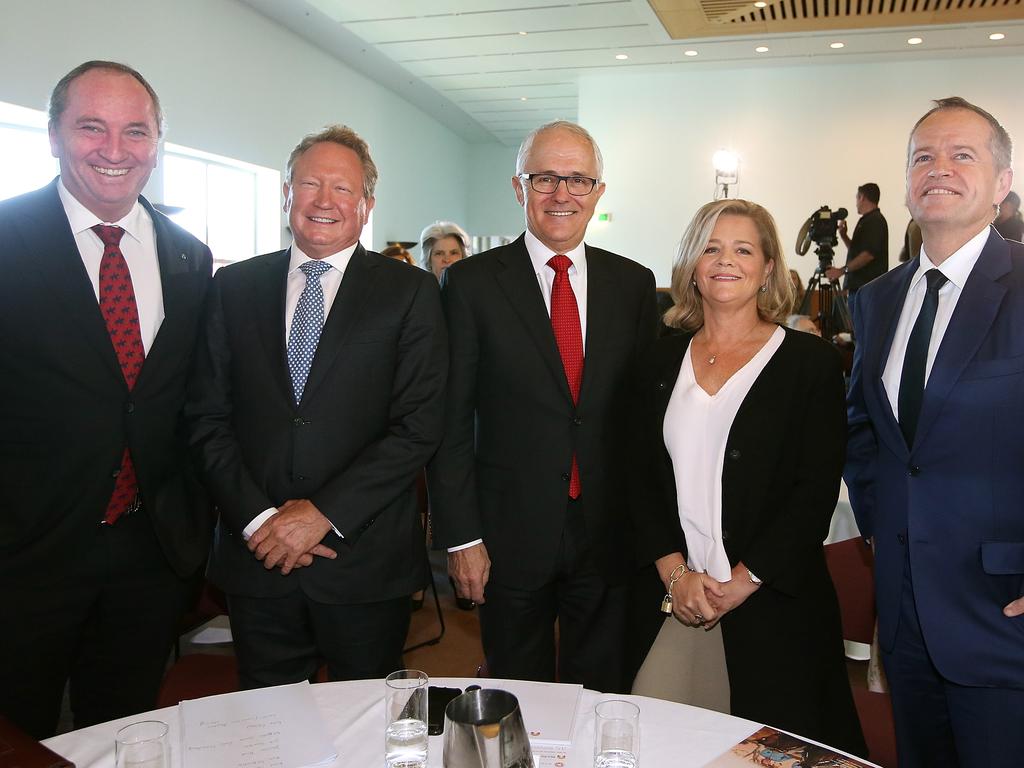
(698, 619)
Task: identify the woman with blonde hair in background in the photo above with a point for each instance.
(740, 447)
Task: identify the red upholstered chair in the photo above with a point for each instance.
(851, 565)
(196, 675)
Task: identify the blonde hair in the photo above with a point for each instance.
(773, 305)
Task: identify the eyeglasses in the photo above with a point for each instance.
(546, 183)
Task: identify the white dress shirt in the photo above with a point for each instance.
(330, 282)
(957, 268)
(540, 254)
(696, 431)
(139, 248)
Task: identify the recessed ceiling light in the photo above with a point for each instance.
(522, 98)
(996, 36)
(524, 33)
(914, 41)
(621, 56)
(760, 4)
(837, 45)
(689, 53)
(761, 49)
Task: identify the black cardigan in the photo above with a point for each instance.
(780, 484)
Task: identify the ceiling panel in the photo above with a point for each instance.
(467, 64)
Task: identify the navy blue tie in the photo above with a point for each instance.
(307, 323)
(914, 364)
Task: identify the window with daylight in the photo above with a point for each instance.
(24, 151)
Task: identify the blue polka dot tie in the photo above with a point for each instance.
(307, 322)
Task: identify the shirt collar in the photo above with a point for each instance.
(957, 268)
(337, 260)
(134, 223)
(540, 254)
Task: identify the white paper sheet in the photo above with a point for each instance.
(266, 728)
(548, 711)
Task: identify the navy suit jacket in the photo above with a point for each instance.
(953, 502)
(66, 414)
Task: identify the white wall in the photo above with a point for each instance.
(493, 209)
(806, 136)
(234, 83)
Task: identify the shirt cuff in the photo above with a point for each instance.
(466, 546)
(258, 521)
(266, 514)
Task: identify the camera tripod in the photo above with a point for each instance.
(833, 311)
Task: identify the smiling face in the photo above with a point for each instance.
(443, 253)
(733, 267)
(952, 180)
(324, 201)
(558, 219)
(106, 141)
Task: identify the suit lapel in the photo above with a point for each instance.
(60, 268)
(600, 296)
(975, 311)
(519, 283)
(889, 300)
(270, 288)
(353, 294)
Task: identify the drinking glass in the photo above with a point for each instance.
(405, 719)
(143, 745)
(616, 734)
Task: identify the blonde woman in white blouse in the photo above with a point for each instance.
(742, 436)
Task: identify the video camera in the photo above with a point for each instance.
(821, 228)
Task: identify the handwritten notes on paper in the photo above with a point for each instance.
(267, 728)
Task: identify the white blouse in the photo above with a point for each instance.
(696, 431)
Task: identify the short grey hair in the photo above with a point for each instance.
(438, 231)
(1000, 145)
(559, 125)
(345, 137)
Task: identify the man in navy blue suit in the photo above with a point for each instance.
(936, 457)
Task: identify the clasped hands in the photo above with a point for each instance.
(698, 600)
(291, 538)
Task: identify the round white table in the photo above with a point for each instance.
(670, 734)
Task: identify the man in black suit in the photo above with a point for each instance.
(317, 399)
(104, 523)
(526, 489)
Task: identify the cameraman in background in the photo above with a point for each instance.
(868, 249)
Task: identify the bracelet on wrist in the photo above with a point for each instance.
(677, 573)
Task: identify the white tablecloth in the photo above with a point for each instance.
(670, 734)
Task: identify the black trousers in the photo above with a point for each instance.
(281, 640)
(940, 724)
(103, 619)
(517, 625)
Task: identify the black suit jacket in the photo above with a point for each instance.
(780, 484)
(369, 420)
(66, 414)
(502, 472)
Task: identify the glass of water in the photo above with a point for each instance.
(405, 719)
(617, 734)
(143, 745)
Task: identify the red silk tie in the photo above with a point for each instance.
(121, 314)
(565, 322)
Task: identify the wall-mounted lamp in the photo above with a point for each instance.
(727, 172)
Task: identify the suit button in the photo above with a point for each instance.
(901, 538)
(914, 470)
(130, 406)
(577, 421)
(661, 385)
(565, 476)
(297, 421)
(115, 473)
(734, 454)
(300, 477)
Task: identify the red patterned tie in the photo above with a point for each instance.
(121, 313)
(565, 322)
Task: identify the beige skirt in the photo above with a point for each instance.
(686, 665)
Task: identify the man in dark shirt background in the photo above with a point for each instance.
(868, 249)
